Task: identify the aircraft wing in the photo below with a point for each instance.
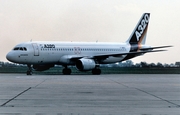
(120, 54)
(141, 51)
(104, 56)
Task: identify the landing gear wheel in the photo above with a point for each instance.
(29, 72)
(66, 71)
(96, 71)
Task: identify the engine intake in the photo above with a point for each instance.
(85, 64)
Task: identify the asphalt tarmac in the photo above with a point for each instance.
(122, 94)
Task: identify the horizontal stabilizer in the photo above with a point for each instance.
(151, 48)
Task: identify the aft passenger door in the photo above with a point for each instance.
(36, 49)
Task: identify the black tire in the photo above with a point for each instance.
(29, 73)
(66, 71)
(96, 71)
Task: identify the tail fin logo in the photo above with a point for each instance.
(142, 26)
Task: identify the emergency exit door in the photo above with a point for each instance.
(36, 49)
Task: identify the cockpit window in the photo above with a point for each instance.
(16, 48)
(24, 49)
(20, 48)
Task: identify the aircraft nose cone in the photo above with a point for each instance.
(9, 56)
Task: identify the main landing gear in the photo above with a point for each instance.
(29, 71)
(96, 71)
(66, 71)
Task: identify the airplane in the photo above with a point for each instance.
(86, 56)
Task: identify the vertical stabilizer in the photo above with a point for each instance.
(138, 36)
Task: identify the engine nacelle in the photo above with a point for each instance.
(42, 67)
(85, 64)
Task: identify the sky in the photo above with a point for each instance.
(90, 21)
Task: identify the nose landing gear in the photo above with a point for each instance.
(29, 71)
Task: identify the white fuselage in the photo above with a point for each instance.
(85, 56)
(61, 52)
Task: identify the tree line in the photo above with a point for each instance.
(130, 63)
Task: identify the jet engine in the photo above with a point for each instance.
(42, 67)
(85, 64)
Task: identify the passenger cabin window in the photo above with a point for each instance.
(20, 48)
